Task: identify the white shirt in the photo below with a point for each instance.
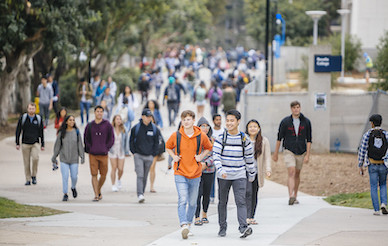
(217, 133)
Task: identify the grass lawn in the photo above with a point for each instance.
(11, 209)
(357, 200)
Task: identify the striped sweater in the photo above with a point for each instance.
(232, 162)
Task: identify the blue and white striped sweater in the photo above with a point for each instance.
(232, 162)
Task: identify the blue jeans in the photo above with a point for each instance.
(378, 177)
(84, 106)
(187, 194)
(65, 168)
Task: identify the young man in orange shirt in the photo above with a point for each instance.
(188, 143)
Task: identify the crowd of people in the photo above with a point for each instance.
(199, 154)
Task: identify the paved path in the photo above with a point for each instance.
(119, 220)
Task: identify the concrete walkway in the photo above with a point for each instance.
(119, 220)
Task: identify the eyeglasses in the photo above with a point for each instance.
(205, 127)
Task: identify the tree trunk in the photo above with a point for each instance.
(42, 65)
(24, 87)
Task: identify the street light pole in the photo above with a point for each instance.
(315, 15)
(266, 43)
(343, 13)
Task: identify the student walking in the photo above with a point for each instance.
(32, 127)
(60, 117)
(262, 156)
(200, 98)
(99, 138)
(373, 149)
(295, 131)
(85, 95)
(214, 95)
(144, 143)
(207, 177)
(228, 98)
(118, 152)
(68, 146)
(173, 97)
(45, 93)
(233, 158)
(154, 107)
(127, 92)
(187, 142)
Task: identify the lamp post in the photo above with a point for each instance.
(315, 15)
(343, 13)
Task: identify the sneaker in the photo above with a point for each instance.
(291, 201)
(33, 180)
(65, 198)
(222, 232)
(28, 183)
(119, 186)
(376, 213)
(141, 198)
(114, 188)
(74, 191)
(185, 232)
(246, 232)
(384, 209)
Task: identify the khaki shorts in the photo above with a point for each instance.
(293, 160)
(98, 162)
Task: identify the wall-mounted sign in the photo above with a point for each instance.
(320, 101)
(327, 63)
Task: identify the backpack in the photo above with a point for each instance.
(377, 144)
(178, 145)
(171, 93)
(243, 141)
(200, 94)
(24, 118)
(161, 143)
(214, 98)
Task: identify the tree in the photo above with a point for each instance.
(26, 27)
(381, 63)
(352, 49)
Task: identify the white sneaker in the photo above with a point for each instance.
(114, 188)
(119, 186)
(185, 232)
(376, 213)
(190, 233)
(141, 198)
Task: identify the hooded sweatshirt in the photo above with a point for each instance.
(188, 166)
(99, 138)
(209, 158)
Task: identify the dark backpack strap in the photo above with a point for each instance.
(198, 144)
(137, 128)
(178, 146)
(243, 140)
(224, 136)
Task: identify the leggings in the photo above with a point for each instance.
(205, 187)
(251, 197)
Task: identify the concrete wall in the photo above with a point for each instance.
(349, 114)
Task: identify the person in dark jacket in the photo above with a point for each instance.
(144, 142)
(31, 126)
(295, 131)
(99, 138)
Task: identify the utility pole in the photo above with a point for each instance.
(266, 43)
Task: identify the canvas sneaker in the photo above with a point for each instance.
(376, 213)
(185, 232)
(114, 188)
(384, 209)
(246, 232)
(119, 185)
(141, 198)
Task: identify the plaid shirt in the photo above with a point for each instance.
(363, 150)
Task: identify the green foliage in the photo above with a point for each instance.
(304, 72)
(358, 200)
(11, 209)
(381, 63)
(68, 86)
(352, 49)
(299, 26)
(126, 76)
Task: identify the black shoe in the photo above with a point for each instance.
(28, 183)
(291, 201)
(246, 232)
(222, 232)
(65, 198)
(33, 180)
(384, 210)
(74, 192)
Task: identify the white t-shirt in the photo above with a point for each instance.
(216, 133)
(296, 122)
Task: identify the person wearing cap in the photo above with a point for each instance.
(372, 152)
(143, 143)
(45, 93)
(173, 97)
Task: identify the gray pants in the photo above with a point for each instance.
(44, 112)
(239, 190)
(142, 167)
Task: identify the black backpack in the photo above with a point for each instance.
(377, 145)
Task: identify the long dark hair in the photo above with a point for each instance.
(155, 103)
(258, 140)
(63, 128)
(58, 116)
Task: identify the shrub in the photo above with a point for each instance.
(126, 76)
(381, 63)
(68, 87)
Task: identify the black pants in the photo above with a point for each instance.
(205, 187)
(251, 197)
